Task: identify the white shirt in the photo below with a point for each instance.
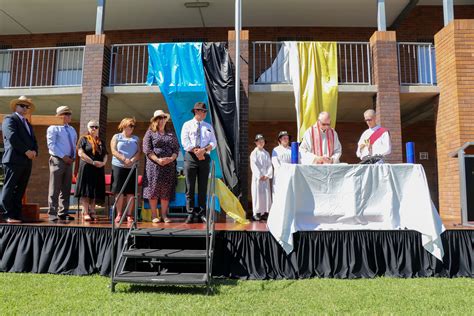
(382, 146)
(189, 135)
(280, 155)
(306, 147)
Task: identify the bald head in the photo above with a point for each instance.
(324, 120)
(369, 117)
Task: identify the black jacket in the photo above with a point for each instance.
(17, 140)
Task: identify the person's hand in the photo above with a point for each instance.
(317, 160)
(327, 160)
(68, 160)
(199, 152)
(361, 146)
(127, 162)
(98, 164)
(31, 154)
(263, 178)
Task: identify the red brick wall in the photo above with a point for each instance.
(424, 135)
(455, 116)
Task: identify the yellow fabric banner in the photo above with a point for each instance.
(318, 82)
(229, 203)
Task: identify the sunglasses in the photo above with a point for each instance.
(325, 124)
(94, 127)
(368, 120)
(131, 126)
(24, 105)
(161, 117)
(201, 111)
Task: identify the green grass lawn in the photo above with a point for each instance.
(36, 294)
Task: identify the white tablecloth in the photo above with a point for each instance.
(348, 197)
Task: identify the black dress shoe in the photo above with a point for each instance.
(66, 217)
(189, 219)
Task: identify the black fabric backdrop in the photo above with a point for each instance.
(220, 83)
(250, 255)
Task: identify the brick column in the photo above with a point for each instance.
(95, 76)
(385, 76)
(455, 115)
(243, 160)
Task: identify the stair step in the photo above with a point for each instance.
(184, 254)
(168, 232)
(163, 278)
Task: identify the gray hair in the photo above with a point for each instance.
(323, 115)
(369, 112)
(93, 123)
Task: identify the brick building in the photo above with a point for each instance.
(418, 73)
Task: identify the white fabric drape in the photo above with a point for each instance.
(342, 197)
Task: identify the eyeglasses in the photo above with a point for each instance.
(204, 111)
(368, 120)
(24, 105)
(94, 127)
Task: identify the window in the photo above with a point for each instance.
(69, 62)
(5, 66)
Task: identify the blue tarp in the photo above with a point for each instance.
(178, 70)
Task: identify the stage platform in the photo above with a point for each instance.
(244, 251)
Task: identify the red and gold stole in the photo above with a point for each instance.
(318, 140)
(376, 135)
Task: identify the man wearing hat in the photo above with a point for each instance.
(61, 140)
(20, 150)
(198, 139)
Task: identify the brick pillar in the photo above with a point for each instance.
(243, 160)
(455, 115)
(385, 77)
(95, 76)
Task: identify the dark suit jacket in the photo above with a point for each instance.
(17, 140)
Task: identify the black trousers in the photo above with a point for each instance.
(195, 168)
(14, 187)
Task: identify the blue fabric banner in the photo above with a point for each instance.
(178, 70)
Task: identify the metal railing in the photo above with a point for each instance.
(270, 59)
(210, 225)
(416, 64)
(128, 64)
(114, 265)
(41, 67)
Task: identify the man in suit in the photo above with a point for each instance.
(198, 140)
(21, 149)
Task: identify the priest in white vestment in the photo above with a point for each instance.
(375, 141)
(320, 144)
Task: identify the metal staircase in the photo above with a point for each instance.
(163, 256)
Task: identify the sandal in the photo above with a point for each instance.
(130, 219)
(117, 219)
(167, 220)
(156, 220)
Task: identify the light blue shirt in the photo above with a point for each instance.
(60, 142)
(127, 147)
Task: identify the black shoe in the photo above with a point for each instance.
(66, 217)
(189, 219)
(257, 217)
(264, 216)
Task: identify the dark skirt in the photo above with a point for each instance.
(90, 182)
(119, 175)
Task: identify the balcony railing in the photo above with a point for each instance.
(353, 63)
(41, 67)
(128, 64)
(416, 64)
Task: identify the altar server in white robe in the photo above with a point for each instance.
(320, 144)
(262, 172)
(375, 141)
(280, 155)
